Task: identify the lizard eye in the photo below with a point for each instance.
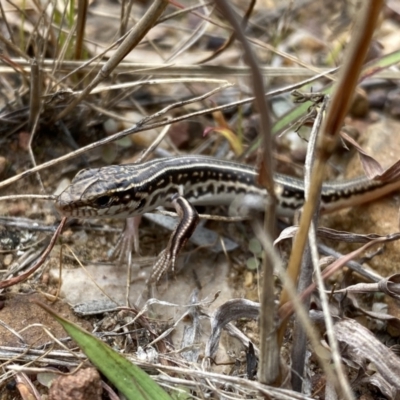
(102, 201)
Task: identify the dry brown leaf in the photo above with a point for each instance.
(372, 168)
(361, 347)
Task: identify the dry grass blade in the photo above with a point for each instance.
(372, 167)
(35, 96)
(231, 38)
(138, 32)
(309, 259)
(80, 28)
(269, 371)
(389, 286)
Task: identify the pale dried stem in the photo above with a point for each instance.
(299, 345)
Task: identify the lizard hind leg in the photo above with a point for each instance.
(188, 220)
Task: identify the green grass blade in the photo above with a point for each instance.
(129, 379)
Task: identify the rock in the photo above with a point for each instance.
(85, 384)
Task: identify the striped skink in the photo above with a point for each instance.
(121, 191)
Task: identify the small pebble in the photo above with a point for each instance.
(63, 184)
(248, 279)
(45, 278)
(7, 260)
(25, 288)
(360, 105)
(110, 126)
(80, 237)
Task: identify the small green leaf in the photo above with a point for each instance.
(252, 263)
(255, 246)
(128, 378)
(124, 142)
